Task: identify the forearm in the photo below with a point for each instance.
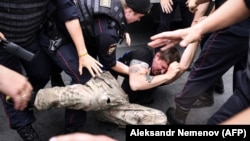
(121, 68)
(187, 58)
(201, 10)
(223, 17)
(75, 31)
(241, 118)
(144, 81)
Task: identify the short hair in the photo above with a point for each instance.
(170, 55)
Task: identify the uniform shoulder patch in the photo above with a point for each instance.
(105, 3)
(112, 48)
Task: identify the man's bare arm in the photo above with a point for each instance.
(140, 78)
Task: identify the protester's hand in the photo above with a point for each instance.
(173, 69)
(93, 66)
(167, 6)
(81, 137)
(16, 87)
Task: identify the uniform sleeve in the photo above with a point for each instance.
(106, 41)
(107, 46)
(67, 10)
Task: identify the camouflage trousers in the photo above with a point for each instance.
(104, 95)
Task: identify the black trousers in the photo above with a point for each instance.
(222, 51)
(237, 102)
(38, 73)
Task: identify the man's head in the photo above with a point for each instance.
(135, 9)
(163, 59)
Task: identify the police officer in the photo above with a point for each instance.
(210, 65)
(167, 12)
(20, 23)
(206, 72)
(103, 27)
(108, 28)
(239, 10)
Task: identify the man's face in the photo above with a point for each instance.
(159, 66)
(132, 16)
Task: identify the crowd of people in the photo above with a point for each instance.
(81, 39)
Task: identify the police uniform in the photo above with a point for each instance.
(222, 50)
(248, 59)
(240, 99)
(166, 18)
(20, 23)
(66, 57)
(103, 23)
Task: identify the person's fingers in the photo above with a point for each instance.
(81, 137)
(171, 2)
(163, 9)
(91, 71)
(99, 64)
(97, 70)
(28, 90)
(20, 102)
(96, 67)
(157, 43)
(80, 69)
(2, 36)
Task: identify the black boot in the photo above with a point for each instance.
(206, 99)
(177, 116)
(28, 133)
(219, 86)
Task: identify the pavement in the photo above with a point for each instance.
(51, 122)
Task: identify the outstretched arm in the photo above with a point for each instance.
(238, 11)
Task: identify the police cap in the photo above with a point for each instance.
(139, 6)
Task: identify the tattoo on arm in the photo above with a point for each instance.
(149, 78)
(138, 65)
